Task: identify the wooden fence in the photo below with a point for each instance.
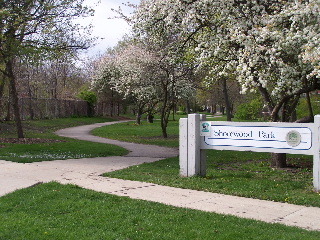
(33, 108)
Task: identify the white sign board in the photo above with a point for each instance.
(197, 135)
(260, 137)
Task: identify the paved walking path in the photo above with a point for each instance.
(86, 173)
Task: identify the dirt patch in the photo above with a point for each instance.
(6, 127)
(294, 165)
(27, 140)
(121, 118)
(161, 138)
(299, 163)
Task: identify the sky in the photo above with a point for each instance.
(109, 31)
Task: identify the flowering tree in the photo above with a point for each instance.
(144, 77)
(276, 56)
(130, 72)
(270, 46)
(175, 76)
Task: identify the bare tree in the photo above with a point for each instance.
(42, 28)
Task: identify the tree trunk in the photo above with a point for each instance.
(139, 112)
(214, 109)
(14, 97)
(164, 121)
(111, 104)
(1, 95)
(227, 100)
(279, 160)
(90, 109)
(8, 117)
(150, 118)
(173, 113)
(138, 118)
(138, 115)
(188, 107)
(165, 113)
(311, 114)
(1, 88)
(30, 103)
(222, 109)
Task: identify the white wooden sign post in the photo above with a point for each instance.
(197, 135)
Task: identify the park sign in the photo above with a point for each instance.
(198, 135)
(258, 137)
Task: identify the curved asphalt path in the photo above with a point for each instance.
(87, 172)
(135, 150)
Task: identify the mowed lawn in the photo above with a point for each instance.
(55, 211)
(60, 212)
(47, 146)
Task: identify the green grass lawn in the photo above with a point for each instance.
(245, 174)
(65, 149)
(69, 149)
(45, 127)
(54, 211)
(146, 133)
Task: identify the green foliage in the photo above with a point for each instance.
(302, 108)
(88, 96)
(250, 111)
(181, 110)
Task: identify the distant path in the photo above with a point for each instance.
(136, 150)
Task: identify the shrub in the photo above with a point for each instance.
(88, 96)
(249, 111)
(91, 99)
(302, 108)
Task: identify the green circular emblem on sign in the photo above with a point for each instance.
(205, 127)
(293, 138)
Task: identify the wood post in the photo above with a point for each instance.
(316, 155)
(192, 158)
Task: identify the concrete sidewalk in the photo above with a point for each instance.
(86, 173)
